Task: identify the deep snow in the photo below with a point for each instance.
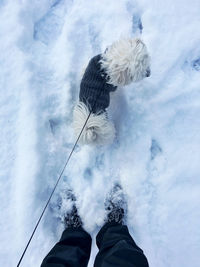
(44, 46)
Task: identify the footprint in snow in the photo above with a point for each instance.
(155, 149)
(196, 64)
(49, 27)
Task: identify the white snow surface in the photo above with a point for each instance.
(44, 45)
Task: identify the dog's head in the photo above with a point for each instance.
(126, 61)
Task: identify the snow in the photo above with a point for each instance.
(44, 47)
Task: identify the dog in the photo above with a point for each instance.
(122, 63)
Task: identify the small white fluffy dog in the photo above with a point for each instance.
(125, 61)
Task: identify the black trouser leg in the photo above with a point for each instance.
(117, 248)
(72, 250)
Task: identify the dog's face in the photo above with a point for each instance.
(140, 61)
(126, 61)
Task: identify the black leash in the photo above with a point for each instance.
(36, 226)
(58, 180)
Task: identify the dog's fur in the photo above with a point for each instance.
(125, 61)
(99, 130)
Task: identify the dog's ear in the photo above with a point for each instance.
(123, 77)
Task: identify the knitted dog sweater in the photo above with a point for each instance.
(94, 89)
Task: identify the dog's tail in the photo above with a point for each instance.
(97, 131)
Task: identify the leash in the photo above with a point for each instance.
(49, 199)
(56, 184)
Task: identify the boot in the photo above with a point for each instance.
(72, 219)
(116, 206)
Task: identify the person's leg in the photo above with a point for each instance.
(72, 250)
(74, 247)
(116, 246)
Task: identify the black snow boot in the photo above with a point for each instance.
(72, 219)
(116, 206)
